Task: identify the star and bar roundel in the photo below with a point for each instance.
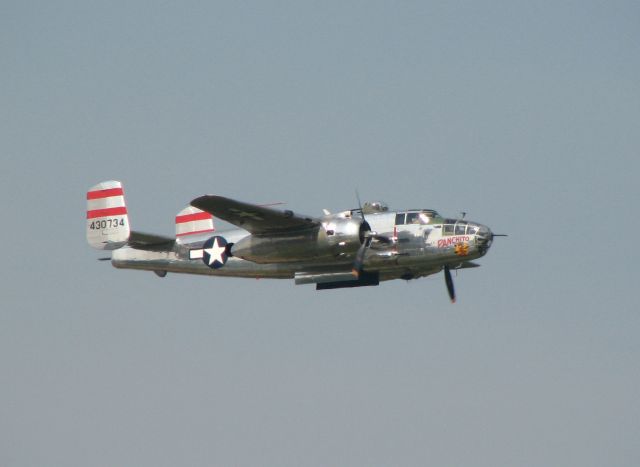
(214, 252)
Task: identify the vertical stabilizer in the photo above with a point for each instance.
(191, 222)
(107, 219)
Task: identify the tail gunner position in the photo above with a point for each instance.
(353, 248)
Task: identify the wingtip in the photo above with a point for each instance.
(194, 202)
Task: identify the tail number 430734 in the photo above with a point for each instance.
(106, 224)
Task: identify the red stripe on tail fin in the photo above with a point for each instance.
(198, 216)
(106, 212)
(98, 194)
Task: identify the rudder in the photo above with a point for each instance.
(107, 219)
(191, 222)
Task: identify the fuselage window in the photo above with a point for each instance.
(400, 218)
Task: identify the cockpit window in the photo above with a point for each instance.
(447, 229)
(413, 218)
(421, 218)
(460, 228)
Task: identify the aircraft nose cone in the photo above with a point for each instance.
(485, 238)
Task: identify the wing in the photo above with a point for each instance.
(258, 220)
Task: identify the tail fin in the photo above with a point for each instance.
(193, 221)
(107, 219)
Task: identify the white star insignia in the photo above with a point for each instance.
(216, 252)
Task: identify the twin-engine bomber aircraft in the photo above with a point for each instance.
(354, 248)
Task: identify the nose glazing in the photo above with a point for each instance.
(485, 237)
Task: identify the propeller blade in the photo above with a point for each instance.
(358, 263)
(359, 203)
(449, 281)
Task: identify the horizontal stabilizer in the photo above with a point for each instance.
(143, 240)
(108, 225)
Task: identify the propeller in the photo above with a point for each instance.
(365, 228)
(367, 238)
(358, 263)
(449, 281)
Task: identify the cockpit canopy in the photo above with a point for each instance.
(371, 207)
(422, 216)
(459, 227)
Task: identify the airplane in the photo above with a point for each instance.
(353, 248)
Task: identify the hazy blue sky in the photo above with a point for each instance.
(524, 114)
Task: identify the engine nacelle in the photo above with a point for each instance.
(345, 235)
(336, 237)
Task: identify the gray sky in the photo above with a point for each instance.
(524, 114)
